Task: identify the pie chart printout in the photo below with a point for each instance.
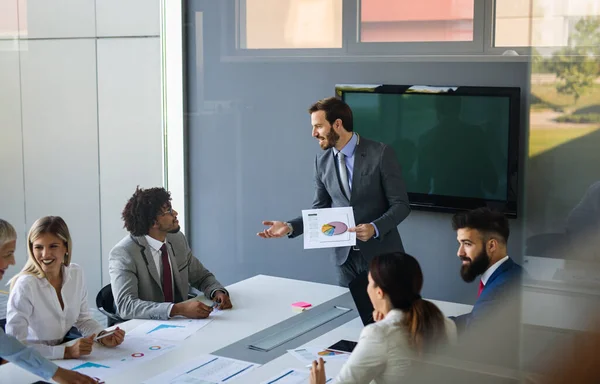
(334, 228)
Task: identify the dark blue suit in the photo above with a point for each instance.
(505, 279)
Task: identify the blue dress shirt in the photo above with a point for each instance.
(27, 358)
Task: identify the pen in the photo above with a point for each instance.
(105, 334)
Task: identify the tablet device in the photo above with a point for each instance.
(344, 346)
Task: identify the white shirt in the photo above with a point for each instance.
(155, 246)
(383, 353)
(34, 315)
(490, 271)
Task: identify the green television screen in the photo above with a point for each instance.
(455, 148)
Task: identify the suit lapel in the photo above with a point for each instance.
(360, 156)
(147, 255)
(175, 269)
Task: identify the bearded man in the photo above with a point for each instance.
(482, 235)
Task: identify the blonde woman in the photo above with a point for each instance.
(10, 348)
(49, 296)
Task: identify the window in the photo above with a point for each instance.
(291, 24)
(416, 21)
(539, 23)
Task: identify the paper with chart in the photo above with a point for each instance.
(204, 369)
(173, 329)
(105, 362)
(294, 376)
(328, 227)
(309, 354)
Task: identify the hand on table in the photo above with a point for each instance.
(64, 376)
(276, 229)
(81, 347)
(223, 300)
(192, 309)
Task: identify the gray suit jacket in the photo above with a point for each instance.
(378, 196)
(135, 281)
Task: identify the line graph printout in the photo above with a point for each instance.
(206, 369)
(172, 330)
(293, 376)
(105, 362)
(328, 227)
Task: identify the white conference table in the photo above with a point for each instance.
(259, 303)
(349, 331)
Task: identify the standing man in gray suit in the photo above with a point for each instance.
(353, 171)
(152, 268)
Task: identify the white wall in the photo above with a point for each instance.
(80, 118)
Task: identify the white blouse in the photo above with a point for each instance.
(383, 354)
(34, 315)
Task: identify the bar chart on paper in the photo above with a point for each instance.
(207, 369)
(173, 329)
(105, 362)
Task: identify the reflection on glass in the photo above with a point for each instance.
(288, 24)
(416, 21)
(539, 23)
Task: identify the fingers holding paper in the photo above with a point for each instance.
(363, 231)
(114, 339)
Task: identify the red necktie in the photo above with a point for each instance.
(167, 277)
(481, 286)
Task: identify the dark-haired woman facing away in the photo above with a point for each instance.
(405, 325)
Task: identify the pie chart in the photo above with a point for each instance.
(334, 228)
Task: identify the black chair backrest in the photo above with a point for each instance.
(105, 300)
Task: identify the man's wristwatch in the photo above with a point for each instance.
(290, 228)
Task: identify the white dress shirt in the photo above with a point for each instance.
(383, 354)
(490, 271)
(34, 315)
(155, 246)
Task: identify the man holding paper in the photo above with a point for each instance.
(357, 172)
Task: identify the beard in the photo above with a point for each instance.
(474, 268)
(175, 230)
(330, 140)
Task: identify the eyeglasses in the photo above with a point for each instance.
(168, 211)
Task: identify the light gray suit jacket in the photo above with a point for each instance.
(378, 196)
(135, 281)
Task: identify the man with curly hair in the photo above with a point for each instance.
(152, 268)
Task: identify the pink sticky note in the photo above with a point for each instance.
(301, 304)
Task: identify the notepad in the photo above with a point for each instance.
(301, 306)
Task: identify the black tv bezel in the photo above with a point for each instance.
(450, 204)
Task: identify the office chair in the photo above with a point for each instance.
(106, 304)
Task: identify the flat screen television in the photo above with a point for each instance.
(458, 146)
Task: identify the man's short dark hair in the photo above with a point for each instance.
(142, 208)
(334, 109)
(484, 220)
